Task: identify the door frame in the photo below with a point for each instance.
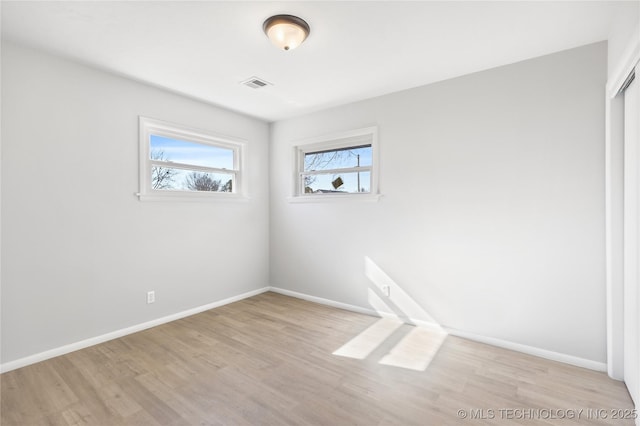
(614, 207)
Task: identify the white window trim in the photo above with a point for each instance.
(151, 126)
(368, 135)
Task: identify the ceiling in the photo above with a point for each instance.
(356, 50)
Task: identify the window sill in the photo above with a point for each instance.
(194, 197)
(334, 198)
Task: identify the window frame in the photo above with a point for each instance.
(150, 126)
(335, 141)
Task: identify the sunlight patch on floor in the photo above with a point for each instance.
(416, 350)
(366, 342)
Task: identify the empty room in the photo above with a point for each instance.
(320, 213)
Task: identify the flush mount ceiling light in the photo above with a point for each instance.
(286, 31)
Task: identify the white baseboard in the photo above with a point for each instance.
(531, 350)
(518, 347)
(51, 353)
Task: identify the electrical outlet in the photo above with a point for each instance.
(386, 290)
(151, 297)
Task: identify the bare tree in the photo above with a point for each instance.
(161, 177)
(197, 181)
(318, 161)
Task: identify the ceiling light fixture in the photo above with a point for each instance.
(286, 31)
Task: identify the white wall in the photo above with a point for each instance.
(492, 218)
(79, 251)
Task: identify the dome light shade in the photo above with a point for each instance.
(286, 31)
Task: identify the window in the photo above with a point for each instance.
(337, 165)
(178, 162)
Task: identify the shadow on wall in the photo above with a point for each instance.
(405, 336)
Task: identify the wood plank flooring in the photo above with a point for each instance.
(269, 360)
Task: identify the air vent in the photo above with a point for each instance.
(256, 83)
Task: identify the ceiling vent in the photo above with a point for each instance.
(256, 83)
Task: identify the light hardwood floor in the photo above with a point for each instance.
(269, 360)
